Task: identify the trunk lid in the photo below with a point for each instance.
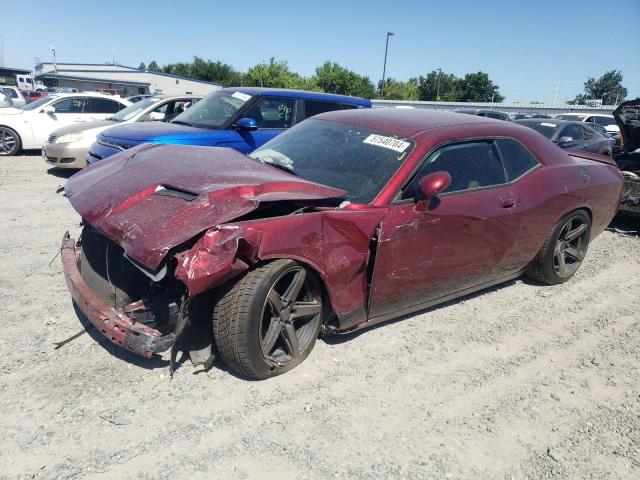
(154, 197)
(627, 117)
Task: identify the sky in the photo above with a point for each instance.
(525, 46)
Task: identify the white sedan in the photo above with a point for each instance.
(30, 126)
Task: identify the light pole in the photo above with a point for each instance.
(55, 67)
(438, 89)
(384, 68)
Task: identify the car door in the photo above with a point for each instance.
(68, 110)
(273, 115)
(462, 239)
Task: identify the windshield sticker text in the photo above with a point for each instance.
(387, 142)
(241, 96)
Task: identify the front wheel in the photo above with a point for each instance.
(9, 142)
(562, 253)
(267, 321)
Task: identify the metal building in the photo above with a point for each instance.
(126, 80)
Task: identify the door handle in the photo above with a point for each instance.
(508, 202)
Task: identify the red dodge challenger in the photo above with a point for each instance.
(346, 220)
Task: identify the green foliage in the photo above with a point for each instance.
(398, 90)
(153, 67)
(438, 86)
(608, 88)
(473, 87)
(206, 70)
(478, 87)
(334, 78)
(273, 74)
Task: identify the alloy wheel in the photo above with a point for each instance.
(571, 247)
(290, 316)
(8, 141)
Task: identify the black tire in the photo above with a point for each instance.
(10, 142)
(564, 250)
(258, 340)
(105, 270)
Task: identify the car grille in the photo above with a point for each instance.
(52, 138)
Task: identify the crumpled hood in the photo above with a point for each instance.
(627, 117)
(151, 131)
(151, 198)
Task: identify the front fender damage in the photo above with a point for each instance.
(334, 243)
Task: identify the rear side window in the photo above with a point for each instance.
(100, 105)
(573, 131)
(10, 92)
(517, 161)
(312, 108)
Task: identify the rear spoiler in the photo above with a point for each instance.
(592, 156)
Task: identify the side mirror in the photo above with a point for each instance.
(563, 140)
(49, 109)
(434, 183)
(153, 117)
(246, 124)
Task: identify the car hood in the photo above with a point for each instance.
(152, 198)
(11, 111)
(627, 117)
(98, 125)
(150, 131)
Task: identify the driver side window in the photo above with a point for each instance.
(70, 105)
(471, 165)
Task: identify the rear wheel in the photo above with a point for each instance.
(9, 142)
(267, 321)
(564, 250)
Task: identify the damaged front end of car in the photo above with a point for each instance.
(157, 243)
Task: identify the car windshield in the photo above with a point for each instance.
(355, 159)
(548, 129)
(213, 111)
(133, 110)
(38, 103)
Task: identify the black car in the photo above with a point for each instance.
(571, 135)
(627, 157)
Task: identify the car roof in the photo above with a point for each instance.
(303, 94)
(90, 94)
(405, 122)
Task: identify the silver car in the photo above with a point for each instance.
(67, 147)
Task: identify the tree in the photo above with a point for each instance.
(444, 86)
(478, 87)
(608, 88)
(334, 78)
(153, 67)
(142, 66)
(398, 90)
(274, 74)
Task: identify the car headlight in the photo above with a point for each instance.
(70, 138)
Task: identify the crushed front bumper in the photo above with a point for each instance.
(114, 324)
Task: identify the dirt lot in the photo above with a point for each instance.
(522, 381)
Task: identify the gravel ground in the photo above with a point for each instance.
(521, 381)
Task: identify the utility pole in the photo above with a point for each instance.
(55, 67)
(555, 95)
(438, 89)
(113, 55)
(617, 93)
(1, 50)
(384, 68)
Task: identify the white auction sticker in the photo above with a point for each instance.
(387, 142)
(545, 124)
(241, 96)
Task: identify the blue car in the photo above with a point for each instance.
(242, 118)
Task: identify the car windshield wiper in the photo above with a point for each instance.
(281, 167)
(180, 122)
